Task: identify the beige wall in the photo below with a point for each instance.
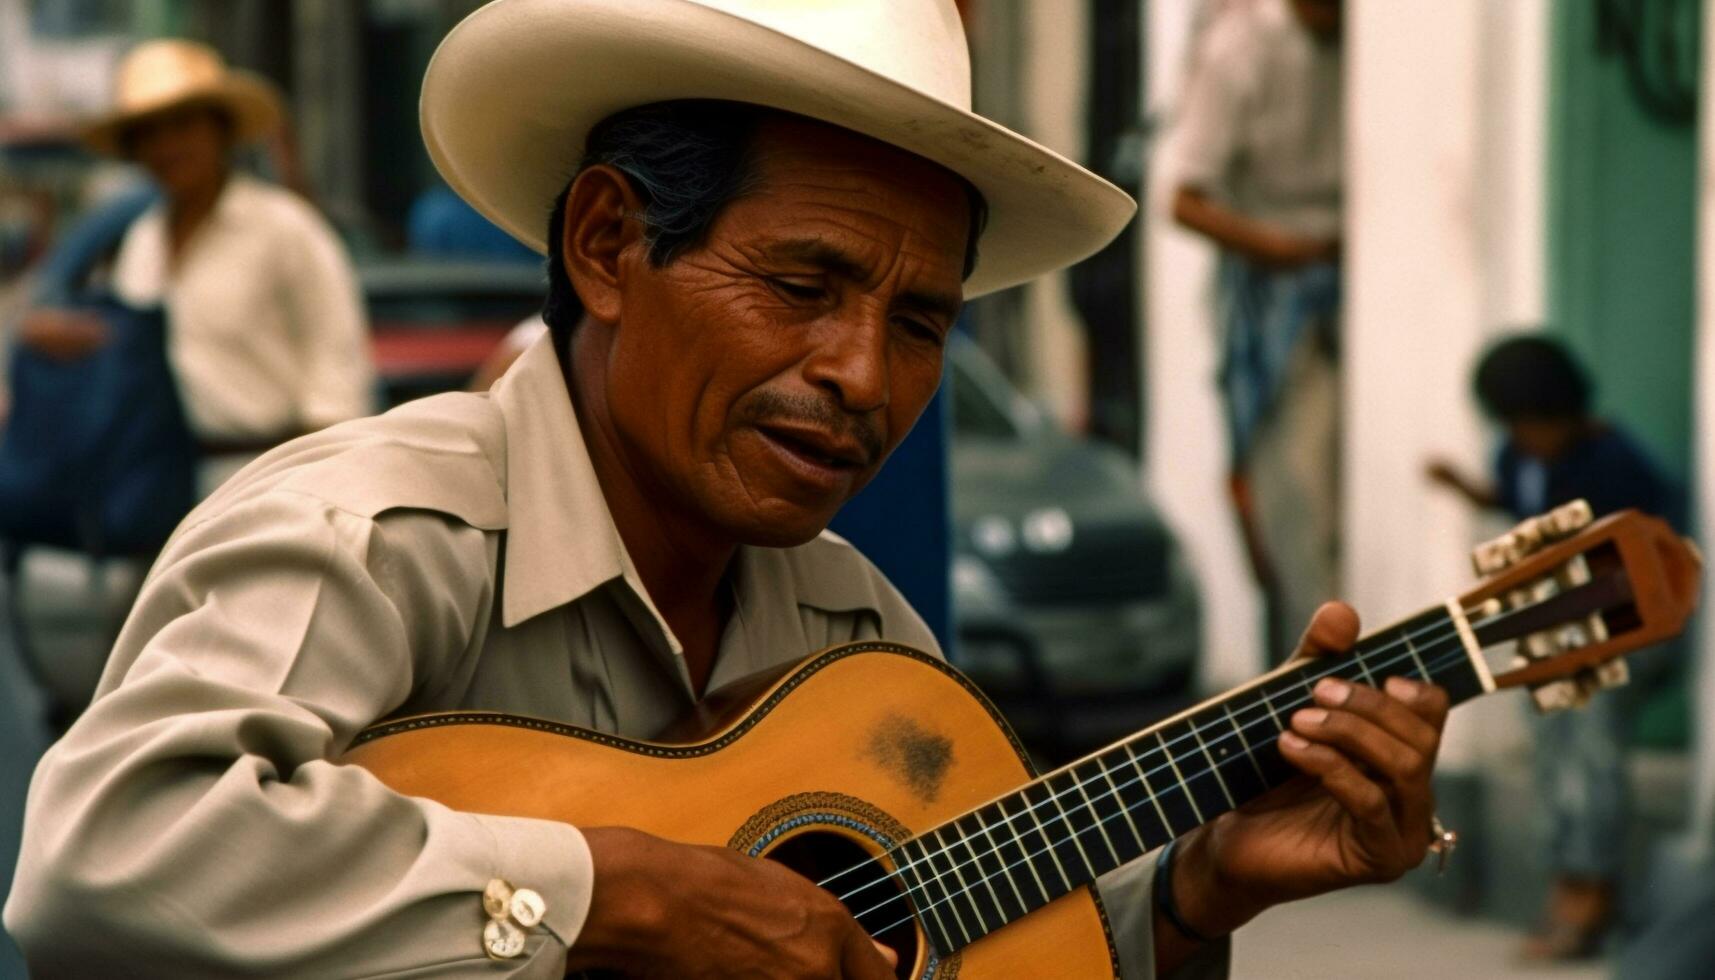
(1030, 75)
(1186, 461)
(1703, 817)
(1446, 158)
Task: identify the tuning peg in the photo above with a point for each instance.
(1577, 690)
(1529, 535)
(1611, 674)
(1559, 695)
(1499, 554)
(1567, 519)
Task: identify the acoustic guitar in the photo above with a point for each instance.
(884, 775)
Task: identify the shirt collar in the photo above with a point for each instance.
(562, 543)
(235, 206)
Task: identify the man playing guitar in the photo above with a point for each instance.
(748, 304)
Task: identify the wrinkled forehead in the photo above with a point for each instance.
(815, 175)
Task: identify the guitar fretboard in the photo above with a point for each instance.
(975, 874)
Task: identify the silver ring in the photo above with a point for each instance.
(1442, 841)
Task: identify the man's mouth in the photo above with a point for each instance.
(813, 448)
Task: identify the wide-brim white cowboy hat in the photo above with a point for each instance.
(158, 76)
(514, 90)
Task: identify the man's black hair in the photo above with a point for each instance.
(1532, 377)
(687, 160)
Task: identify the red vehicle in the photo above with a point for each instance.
(433, 322)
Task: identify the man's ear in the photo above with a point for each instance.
(600, 234)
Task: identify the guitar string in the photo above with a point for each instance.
(1448, 655)
(1445, 656)
(1446, 659)
(1080, 783)
(1264, 704)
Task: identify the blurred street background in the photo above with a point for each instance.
(1428, 177)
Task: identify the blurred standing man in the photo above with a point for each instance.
(1260, 175)
(267, 335)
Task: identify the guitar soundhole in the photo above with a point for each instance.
(871, 895)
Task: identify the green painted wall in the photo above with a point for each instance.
(1622, 233)
(1621, 265)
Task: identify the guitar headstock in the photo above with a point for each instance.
(1574, 596)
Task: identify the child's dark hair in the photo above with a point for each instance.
(1532, 377)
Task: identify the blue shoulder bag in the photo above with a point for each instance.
(96, 454)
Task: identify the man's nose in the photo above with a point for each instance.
(850, 361)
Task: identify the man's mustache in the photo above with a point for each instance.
(766, 407)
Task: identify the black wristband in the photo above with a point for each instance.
(1164, 895)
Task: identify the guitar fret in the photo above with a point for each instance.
(1006, 865)
(1047, 842)
(1422, 671)
(1364, 668)
(1101, 825)
(929, 906)
(1195, 810)
(1124, 809)
(1150, 791)
(1268, 703)
(1214, 767)
(952, 899)
(1244, 743)
(1029, 861)
(1290, 702)
(1072, 832)
(983, 876)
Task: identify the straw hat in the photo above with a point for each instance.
(156, 76)
(514, 90)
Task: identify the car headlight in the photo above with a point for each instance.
(975, 585)
(993, 536)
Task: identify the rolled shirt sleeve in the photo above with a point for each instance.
(191, 824)
(1128, 894)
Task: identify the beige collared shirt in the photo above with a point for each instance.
(267, 334)
(1260, 127)
(455, 553)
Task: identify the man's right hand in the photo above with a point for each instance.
(64, 335)
(1444, 473)
(663, 909)
(1259, 240)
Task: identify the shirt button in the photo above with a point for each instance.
(502, 939)
(527, 907)
(497, 898)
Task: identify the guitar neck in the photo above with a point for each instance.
(972, 875)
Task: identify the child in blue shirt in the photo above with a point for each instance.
(1557, 451)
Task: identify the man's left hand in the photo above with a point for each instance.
(1361, 813)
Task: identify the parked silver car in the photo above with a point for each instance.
(1076, 610)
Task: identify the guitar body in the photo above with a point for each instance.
(838, 758)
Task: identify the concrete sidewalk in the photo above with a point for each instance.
(1384, 931)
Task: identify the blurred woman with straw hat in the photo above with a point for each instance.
(267, 332)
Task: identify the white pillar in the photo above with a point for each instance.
(1446, 132)
(1703, 689)
(1054, 69)
(1187, 452)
